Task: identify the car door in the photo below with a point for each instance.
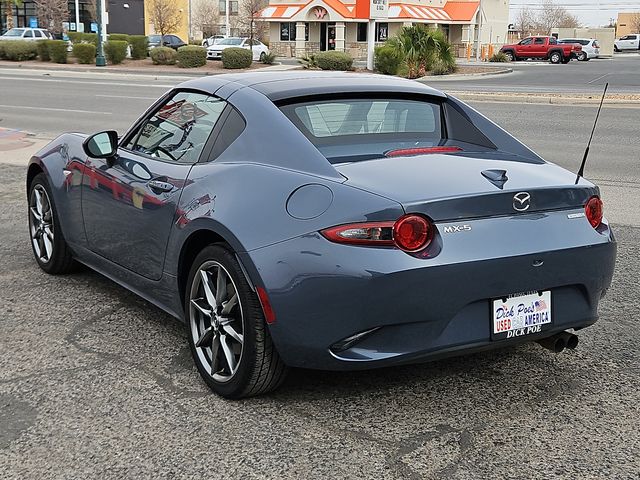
(524, 48)
(538, 48)
(28, 35)
(129, 202)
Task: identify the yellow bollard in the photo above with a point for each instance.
(490, 50)
(468, 52)
(483, 54)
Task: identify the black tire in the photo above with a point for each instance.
(555, 57)
(510, 56)
(60, 260)
(259, 368)
(566, 60)
(616, 49)
(263, 56)
(582, 57)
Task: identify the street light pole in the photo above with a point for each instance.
(479, 43)
(100, 60)
(227, 25)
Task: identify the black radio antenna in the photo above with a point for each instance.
(586, 151)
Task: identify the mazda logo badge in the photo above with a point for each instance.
(521, 201)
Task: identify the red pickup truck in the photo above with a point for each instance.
(547, 48)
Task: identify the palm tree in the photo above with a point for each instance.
(9, 6)
(421, 48)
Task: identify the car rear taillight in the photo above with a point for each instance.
(596, 45)
(403, 152)
(593, 211)
(410, 233)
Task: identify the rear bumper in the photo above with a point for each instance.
(323, 293)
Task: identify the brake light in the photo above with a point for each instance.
(410, 233)
(593, 211)
(403, 152)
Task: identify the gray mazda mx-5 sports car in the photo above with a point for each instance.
(327, 221)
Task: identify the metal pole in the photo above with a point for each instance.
(77, 7)
(190, 34)
(100, 60)
(227, 23)
(479, 42)
(371, 43)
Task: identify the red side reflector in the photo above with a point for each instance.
(403, 152)
(269, 314)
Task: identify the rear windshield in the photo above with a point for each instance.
(14, 32)
(356, 129)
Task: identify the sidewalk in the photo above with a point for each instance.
(17, 146)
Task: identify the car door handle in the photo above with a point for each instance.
(160, 187)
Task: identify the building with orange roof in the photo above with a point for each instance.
(301, 27)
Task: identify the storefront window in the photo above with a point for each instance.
(362, 32)
(288, 32)
(382, 32)
(233, 7)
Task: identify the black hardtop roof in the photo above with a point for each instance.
(290, 84)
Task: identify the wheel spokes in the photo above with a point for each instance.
(228, 306)
(228, 354)
(206, 338)
(215, 348)
(36, 214)
(238, 337)
(198, 303)
(48, 244)
(211, 298)
(221, 286)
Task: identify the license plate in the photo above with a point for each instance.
(521, 314)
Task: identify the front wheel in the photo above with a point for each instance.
(263, 55)
(49, 246)
(229, 340)
(510, 56)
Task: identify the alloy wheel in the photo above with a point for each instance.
(216, 321)
(41, 223)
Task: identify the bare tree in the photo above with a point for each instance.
(525, 20)
(165, 16)
(553, 16)
(635, 23)
(205, 16)
(249, 20)
(51, 13)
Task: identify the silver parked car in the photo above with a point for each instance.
(27, 34)
(590, 47)
(259, 49)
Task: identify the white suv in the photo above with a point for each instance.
(590, 47)
(628, 42)
(27, 34)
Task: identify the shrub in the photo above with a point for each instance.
(235, 57)
(139, 46)
(387, 60)
(421, 48)
(191, 56)
(309, 62)
(90, 38)
(268, 58)
(58, 51)
(115, 51)
(85, 53)
(118, 37)
(499, 57)
(163, 56)
(75, 37)
(43, 50)
(2, 44)
(20, 50)
(334, 60)
(440, 67)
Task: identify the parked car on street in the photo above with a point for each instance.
(325, 220)
(541, 47)
(171, 41)
(212, 40)
(259, 49)
(590, 47)
(27, 34)
(628, 42)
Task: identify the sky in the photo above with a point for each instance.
(593, 13)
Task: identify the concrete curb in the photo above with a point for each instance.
(463, 76)
(543, 99)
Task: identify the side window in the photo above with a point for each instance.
(179, 130)
(552, 41)
(28, 34)
(539, 41)
(38, 33)
(232, 128)
(526, 41)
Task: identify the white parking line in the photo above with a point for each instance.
(599, 78)
(125, 96)
(22, 107)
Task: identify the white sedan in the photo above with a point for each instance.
(259, 49)
(27, 34)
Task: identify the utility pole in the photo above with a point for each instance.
(227, 26)
(479, 42)
(77, 8)
(100, 60)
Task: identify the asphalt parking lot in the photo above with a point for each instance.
(97, 383)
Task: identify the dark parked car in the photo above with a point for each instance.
(327, 221)
(171, 41)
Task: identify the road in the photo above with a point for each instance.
(621, 72)
(97, 383)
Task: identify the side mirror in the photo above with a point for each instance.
(101, 145)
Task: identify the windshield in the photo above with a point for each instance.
(229, 41)
(14, 32)
(154, 38)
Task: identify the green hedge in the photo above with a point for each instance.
(90, 38)
(75, 37)
(2, 44)
(43, 50)
(19, 50)
(387, 60)
(58, 51)
(139, 46)
(334, 60)
(118, 37)
(85, 53)
(235, 57)
(191, 56)
(115, 51)
(163, 56)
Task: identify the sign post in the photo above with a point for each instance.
(371, 10)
